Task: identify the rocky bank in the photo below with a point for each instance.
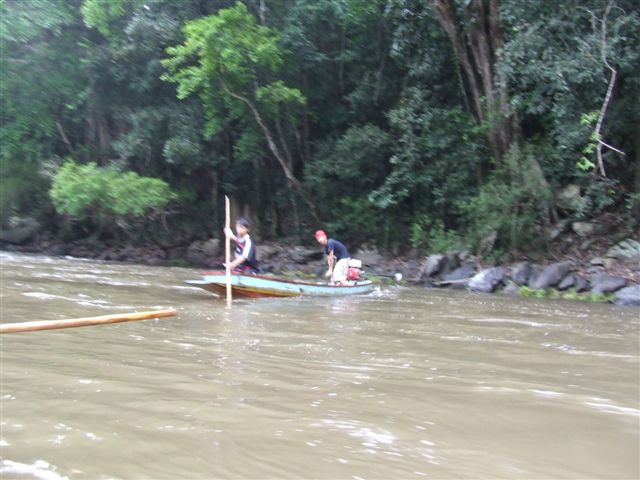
(613, 275)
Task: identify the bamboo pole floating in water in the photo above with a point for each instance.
(84, 322)
(227, 247)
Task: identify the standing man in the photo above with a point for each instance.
(337, 258)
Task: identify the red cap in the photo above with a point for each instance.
(320, 234)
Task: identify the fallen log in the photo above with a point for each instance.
(83, 322)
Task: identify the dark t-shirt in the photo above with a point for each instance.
(338, 249)
(246, 248)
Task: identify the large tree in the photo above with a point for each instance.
(236, 74)
(40, 93)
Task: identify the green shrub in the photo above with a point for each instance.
(89, 192)
(570, 294)
(21, 191)
(512, 205)
(432, 235)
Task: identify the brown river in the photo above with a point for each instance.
(401, 383)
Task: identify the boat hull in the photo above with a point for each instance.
(257, 286)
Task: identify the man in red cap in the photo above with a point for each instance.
(337, 258)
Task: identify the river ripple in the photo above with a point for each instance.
(401, 383)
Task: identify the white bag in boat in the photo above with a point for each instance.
(354, 269)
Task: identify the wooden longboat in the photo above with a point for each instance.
(257, 286)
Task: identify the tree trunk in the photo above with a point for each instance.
(445, 10)
(636, 206)
(65, 139)
(343, 43)
(291, 179)
(262, 10)
(477, 49)
(215, 194)
(306, 129)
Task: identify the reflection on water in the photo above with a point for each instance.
(401, 383)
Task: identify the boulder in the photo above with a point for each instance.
(627, 251)
(267, 250)
(584, 229)
(211, 247)
(487, 280)
(202, 252)
(551, 275)
(569, 198)
(370, 257)
(459, 278)
(602, 262)
(605, 283)
(412, 270)
(558, 229)
(521, 273)
(300, 254)
(449, 264)
(567, 282)
(628, 296)
(434, 264)
(581, 284)
(20, 230)
(588, 229)
(510, 287)
(154, 256)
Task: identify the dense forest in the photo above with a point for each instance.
(431, 124)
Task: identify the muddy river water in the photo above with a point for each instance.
(400, 383)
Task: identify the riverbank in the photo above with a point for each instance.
(611, 274)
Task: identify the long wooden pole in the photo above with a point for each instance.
(83, 322)
(227, 247)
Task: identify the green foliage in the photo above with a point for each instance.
(248, 147)
(553, 63)
(182, 150)
(632, 210)
(570, 294)
(433, 169)
(532, 292)
(22, 190)
(234, 54)
(365, 98)
(435, 157)
(599, 195)
(39, 87)
(357, 223)
(277, 93)
(510, 205)
(356, 159)
(234, 65)
(341, 175)
(585, 163)
(431, 235)
(88, 191)
(24, 21)
(100, 14)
